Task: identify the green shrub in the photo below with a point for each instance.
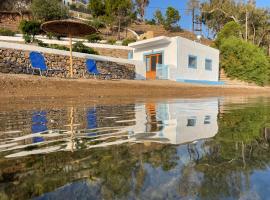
(30, 28)
(6, 32)
(60, 47)
(93, 37)
(96, 23)
(46, 10)
(80, 47)
(244, 61)
(231, 29)
(41, 43)
(111, 41)
(127, 41)
(27, 38)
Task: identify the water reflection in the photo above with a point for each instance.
(181, 149)
(177, 122)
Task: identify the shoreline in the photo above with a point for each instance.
(26, 86)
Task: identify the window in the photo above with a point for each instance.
(147, 64)
(153, 63)
(207, 119)
(192, 62)
(208, 64)
(191, 121)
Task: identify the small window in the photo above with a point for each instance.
(192, 62)
(147, 62)
(191, 121)
(208, 64)
(207, 119)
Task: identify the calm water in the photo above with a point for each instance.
(179, 149)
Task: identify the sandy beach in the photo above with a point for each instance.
(25, 86)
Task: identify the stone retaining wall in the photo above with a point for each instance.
(17, 62)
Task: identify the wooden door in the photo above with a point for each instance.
(151, 65)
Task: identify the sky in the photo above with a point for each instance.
(185, 22)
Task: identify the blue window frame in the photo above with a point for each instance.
(192, 62)
(208, 64)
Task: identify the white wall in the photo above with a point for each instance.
(169, 54)
(174, 117)
(176, 54)
(182, 71)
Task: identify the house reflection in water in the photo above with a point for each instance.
(178, 122)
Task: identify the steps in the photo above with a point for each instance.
(228, 81)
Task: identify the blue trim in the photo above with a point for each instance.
(190, 66)
(151, 53)
(154, 52)
(130, 55)
(205, 82)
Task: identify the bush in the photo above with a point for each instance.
(30, 28)
(229, 30)
(111, 41)
(127, 41)
(46, 10)
(27, 38)
(41, 43)
(6, 32)
(244, 61)
(80, 47)
(93, 37)
(96, 24)
(60, 47)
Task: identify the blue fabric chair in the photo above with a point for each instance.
(38, 63)
(91, 68)
(91, 120)
(39, 124)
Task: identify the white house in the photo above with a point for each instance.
(179, 122)
(177, 59)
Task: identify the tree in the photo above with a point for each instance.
(159, 17)
(231, 29)
(169, 21)
(244, 61)
(46, 10)
(97, 7)
(141, 6)
(172, 17)
(30, 29)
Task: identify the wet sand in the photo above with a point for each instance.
(35, 86)
(18, 89)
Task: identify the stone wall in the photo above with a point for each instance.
(117, 53)
(17, 62)
(11, 20)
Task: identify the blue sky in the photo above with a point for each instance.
(181, 5)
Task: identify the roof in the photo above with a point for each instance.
(150, 42)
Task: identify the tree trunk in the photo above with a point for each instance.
(119, 28)
(246, 37)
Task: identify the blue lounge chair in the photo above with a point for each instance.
(38, 63)
(91, 68)
(39, 124)
(91, 121)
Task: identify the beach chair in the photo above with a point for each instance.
(38, 63)
(39, 124)
(91, 68)
(91, 122)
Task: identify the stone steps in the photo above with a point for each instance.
(228, 81)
